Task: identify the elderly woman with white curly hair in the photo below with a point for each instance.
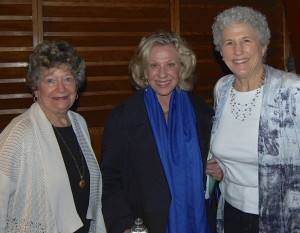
(255, 136)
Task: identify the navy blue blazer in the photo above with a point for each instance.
(134, 183)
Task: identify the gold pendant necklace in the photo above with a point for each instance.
(82, 181)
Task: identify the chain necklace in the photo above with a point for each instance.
(165, 111)
(82, 181)
(242, 111)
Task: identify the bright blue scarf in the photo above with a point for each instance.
(180, 154)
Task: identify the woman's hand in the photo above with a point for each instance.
(213, 169)
(127, 231)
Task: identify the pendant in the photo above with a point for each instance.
(82, 183)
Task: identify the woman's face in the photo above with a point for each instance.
(163, 70)
(56, 91)
(241, 50)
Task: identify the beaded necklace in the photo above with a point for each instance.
(242, 111)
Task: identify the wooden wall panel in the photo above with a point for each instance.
(106, 34)
(16, 42)
(292, 11)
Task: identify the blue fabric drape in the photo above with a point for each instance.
(180, 155)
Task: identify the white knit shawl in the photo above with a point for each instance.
(35, 193)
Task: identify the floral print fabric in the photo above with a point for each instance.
(278, 150)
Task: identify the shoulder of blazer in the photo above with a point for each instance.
(201, 108)
(130, 113)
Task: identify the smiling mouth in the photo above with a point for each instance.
(60, 98)
(240, 61)
(163, 83)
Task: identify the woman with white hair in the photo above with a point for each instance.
(255, 136)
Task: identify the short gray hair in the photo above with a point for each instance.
(53, 54)
(239, 14)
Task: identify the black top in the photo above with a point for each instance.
(81, 196)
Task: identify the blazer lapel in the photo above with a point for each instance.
(142, 139)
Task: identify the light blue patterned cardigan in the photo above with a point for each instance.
(278, 150)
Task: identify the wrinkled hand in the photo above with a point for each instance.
(213, 169)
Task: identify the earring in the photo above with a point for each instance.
(145, 78)
(35, 98)
(76, 97)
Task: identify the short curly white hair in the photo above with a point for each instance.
(240, 14)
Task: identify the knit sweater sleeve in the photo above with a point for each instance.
(11, 143)
(6, 188)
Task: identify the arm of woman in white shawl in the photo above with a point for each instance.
(7, 187)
